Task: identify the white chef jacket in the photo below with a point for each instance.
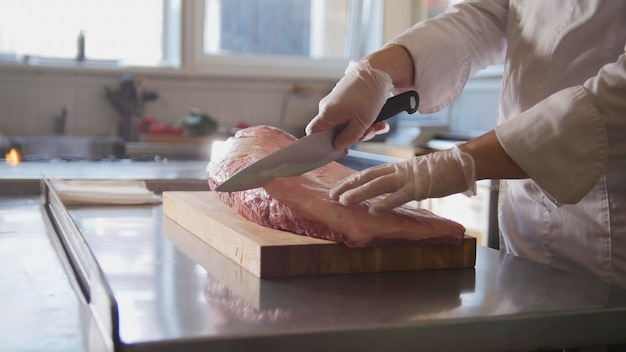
(561, 118)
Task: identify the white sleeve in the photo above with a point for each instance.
(451, 48)
(608, 91)
(566, 142)
(560, 143)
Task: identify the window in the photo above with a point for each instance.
(257, 27)
(200, 35)
(114, 30)
(284, 34)
(309, 28)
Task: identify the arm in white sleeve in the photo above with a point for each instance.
(608, 92)
(566, 142)
(448, 50)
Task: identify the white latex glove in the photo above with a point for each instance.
(353, 104)
(428, 176)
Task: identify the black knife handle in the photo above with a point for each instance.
(407, 101)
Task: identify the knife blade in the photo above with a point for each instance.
(307, 153)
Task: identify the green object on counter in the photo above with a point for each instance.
(198, 123)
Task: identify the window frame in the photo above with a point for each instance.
(183, 45)
(194, 58)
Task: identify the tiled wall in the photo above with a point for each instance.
(31, 98)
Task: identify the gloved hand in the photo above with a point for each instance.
(354, 104)
(432, 175)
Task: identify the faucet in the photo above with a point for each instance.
(129, 100)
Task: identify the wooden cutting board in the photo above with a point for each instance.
(267, 252)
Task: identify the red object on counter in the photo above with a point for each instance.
(164, 128)
(153, 126)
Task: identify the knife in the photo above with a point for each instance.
(309, 152)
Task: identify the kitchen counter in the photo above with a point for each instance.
(171, 291)
(40, 309)
(23, 179)
(174, 292)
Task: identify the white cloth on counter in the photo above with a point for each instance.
(104, 192)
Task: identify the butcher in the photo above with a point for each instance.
(559, 147)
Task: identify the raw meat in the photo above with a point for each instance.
(300, 204)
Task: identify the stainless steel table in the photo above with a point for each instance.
(173, 292)
(163, 289)
(39, 308)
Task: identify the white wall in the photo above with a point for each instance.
(30, 97)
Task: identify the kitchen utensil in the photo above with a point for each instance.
(307, 153)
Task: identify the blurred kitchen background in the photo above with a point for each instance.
(165, 78)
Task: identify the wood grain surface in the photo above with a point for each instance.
(267, 252)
